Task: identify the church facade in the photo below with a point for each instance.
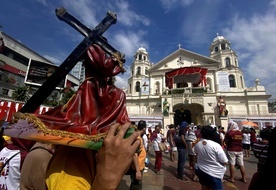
(187, 86)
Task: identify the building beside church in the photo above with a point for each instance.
(187, 86)
(20, 66)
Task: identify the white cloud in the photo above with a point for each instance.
(129, 42)
(53, 59)
(254, 39)
(129, 17)
(91, 12)
(121, 81)
(168, 5)
(273, 3)
(199, 22)
(82, 10)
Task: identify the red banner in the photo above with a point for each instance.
(8, 108)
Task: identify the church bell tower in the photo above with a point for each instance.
(138, 83)
(221, 50)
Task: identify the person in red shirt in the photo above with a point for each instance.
(253, 138)
(170, 138)
(233, 141)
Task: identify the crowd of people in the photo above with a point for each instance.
(212, 150)
(27, 164)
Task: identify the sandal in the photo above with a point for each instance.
(243, 180)
(195, 178)
(159, 173)
(231, 180)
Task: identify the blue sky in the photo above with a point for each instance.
(157, 25)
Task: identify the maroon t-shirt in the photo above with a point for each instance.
(253, 138)
(233, 140)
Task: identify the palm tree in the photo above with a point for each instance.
(21, 94)
(54, 99)
(67, 94)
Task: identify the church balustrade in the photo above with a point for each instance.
(187, 100)
(191, 91)
(244, 113)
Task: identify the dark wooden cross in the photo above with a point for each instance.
(93, 36)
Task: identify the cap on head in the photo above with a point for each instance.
(183, 124)
(142, 125)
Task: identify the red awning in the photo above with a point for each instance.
(194, 75)
(13, 70)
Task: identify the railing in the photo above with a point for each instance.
(192, 91)
(238, 113)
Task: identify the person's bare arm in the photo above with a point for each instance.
(114, 158)
(171, 139)
(137, 168)
(184, 140)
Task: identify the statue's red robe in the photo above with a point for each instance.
(97, 103)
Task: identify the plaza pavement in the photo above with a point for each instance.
(168, 180)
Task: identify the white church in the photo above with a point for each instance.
(192, 84)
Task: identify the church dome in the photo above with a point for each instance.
(220, 39)
(142, 50)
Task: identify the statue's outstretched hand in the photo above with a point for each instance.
(115, 157)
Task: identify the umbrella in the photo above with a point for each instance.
(249, 124)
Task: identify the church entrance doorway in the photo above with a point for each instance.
(191, 113)
(182, 115)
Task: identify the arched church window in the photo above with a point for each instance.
(145, 58)
(232, 81)
(130, 90)
(146, 71)
(157, 87)
(131, 72)
(241, 81)
(222, 46)
(216, 49)
(137, 87)
(227, 62)
(209, 86)
(138, 71)
(140, 57)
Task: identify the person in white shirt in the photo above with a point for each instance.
(246, 142)
(211, 160)
(146, 145)
(190, 139)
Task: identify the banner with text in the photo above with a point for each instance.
(38, 72)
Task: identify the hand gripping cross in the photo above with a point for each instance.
(91, 36)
